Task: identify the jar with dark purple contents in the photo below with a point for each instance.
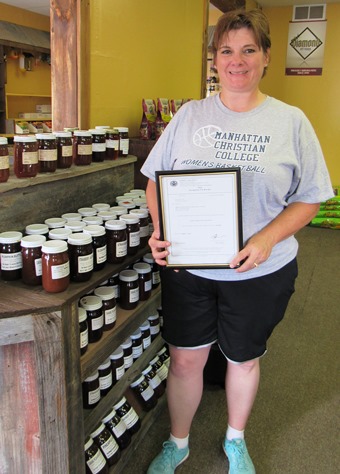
(118, 429)
(98, 145)
(117, 364)
(107, 444)
(128, 289)
(133, 233)
(99, 245)
(47, 152)
(143, 216)
(144, 393)
(82, 147)
(144, 280)
(95, 462)
(81, 256)
(116, 241)
(10, 255)
(107, 295)
(95, 318)
(128, 414)
(91, 391)
(105, 377)
(64, 149)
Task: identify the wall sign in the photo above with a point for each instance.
(305, 49)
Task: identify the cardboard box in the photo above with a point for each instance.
(43, 109)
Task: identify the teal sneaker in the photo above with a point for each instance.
(168, 459)
(238, 457)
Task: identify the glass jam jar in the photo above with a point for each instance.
(137, 344)
(127, 353)
(105, 377)
(47, 152)
(144, 280)
(132, 231)
(31, 259)
(118, 429)
(112, 144)
(146, 336)
(116, 241)
(98, 144)
(117, 364)
(55, 266)
(144, 393)
(154, 381)
(143, 216)
(59, 234)
(83, 330)
(128, 289)
(55, 222)
(155, 273)
(123, 141)
(154, 325)
(95, 317)
(4, 160)
(107, 295)
(99, 245)
(25, 156)
(82, 147)
(101, 206)
(37, 229)
(64, 149)
(10, 255)
(91, 390)
(127, 413)
(160, 368)
(107, 444)
(81, 256)
(95, 462)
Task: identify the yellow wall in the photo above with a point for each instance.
(142, 50)
(37, 82)
(317, 96)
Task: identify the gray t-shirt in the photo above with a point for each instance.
(277, 150)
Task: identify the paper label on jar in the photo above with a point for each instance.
(4, 162)
(38, 267)
(110, 315)
(148, 285)
(156, 278)
(137, 351)
(66, 150)
(97, 323)
(134, 239)
(144, 231)
(97, 462)
(98, 147)
(134, 295)
(101, 254)
(147, 393)
(124, 145)
(84, 149)
(146, 342)
(105, 382)
(84, 338)
(110, 447)
(93, 396)
(85, 263)
(121, 248)
(155, 381)
(119, 429)
(60, 271)
(130, 418)
(29, 157)
(112, 144)
(154, 329)
(120, 371)
(11, 261)
(48, 155)
(128, 361)
(162, 372)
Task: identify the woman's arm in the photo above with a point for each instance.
(158, 247)
(258, 248)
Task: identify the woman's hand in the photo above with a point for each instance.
(256, 251)
(158, 248)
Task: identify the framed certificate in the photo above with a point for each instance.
(200, 213)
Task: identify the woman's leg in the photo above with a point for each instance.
(242, 381)
(185, 387)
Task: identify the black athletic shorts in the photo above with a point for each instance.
(238, 315)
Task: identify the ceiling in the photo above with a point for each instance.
(43, 6)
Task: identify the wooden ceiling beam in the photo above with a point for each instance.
(228, 5)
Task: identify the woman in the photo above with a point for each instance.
(284, 178)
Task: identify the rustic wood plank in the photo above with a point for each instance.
(20, 434)
(51, 390)
(16, 330)
(64, 67)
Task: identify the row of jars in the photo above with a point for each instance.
(98, 313)
(99, 384)
(104, 445)
(45, 152)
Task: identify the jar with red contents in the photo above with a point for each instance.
(4, 160)
(10, 255)
(47, 152)
(64, 149)
(31, 259)
(25, 156)
(82, 148)
(55, 266)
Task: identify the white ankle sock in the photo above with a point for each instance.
(232, 433)
(180, 442)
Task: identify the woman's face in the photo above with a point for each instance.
(240, 62)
